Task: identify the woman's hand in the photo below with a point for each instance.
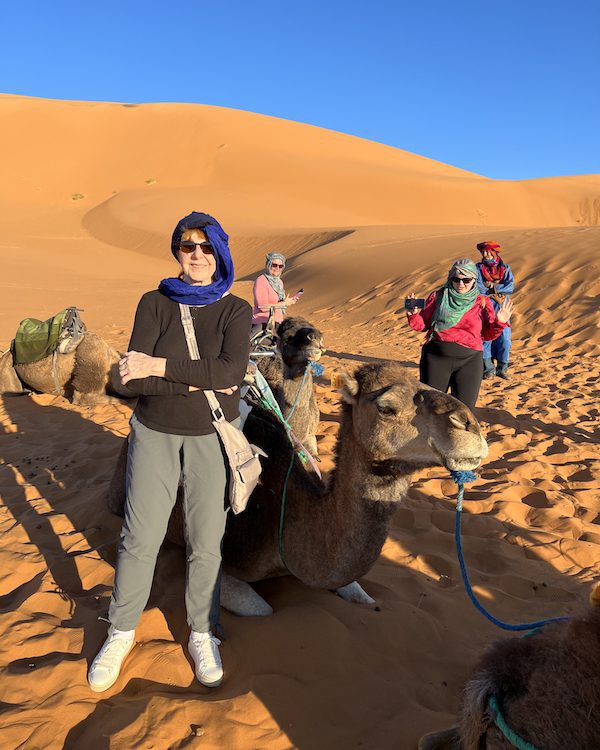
(134, 365)
(288, 301)
(227, 391)
(413, 310)
(505, 311)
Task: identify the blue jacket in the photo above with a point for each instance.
(506, 286)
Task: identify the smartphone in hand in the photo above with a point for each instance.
(411, 302)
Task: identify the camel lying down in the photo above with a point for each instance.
(391, 426)
(87, 375)
(547, 687)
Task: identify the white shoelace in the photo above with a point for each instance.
(208, 650)
(115, 648)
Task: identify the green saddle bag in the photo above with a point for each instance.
(37, 339)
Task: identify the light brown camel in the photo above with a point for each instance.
(547, 687)
(391, 426)
(299, 343)
(86, 375)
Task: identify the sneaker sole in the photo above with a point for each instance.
(106, 685)
(214, 684)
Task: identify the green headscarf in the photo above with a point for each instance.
(452, 305)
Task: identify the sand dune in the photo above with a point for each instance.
(363, 224)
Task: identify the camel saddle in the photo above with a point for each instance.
(37, 339)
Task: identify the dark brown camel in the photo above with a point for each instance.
(546, 685)
(391, 426)
(299, 343)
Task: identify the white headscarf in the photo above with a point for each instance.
(275, 281)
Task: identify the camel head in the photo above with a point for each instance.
(403, 425)
(299, 342)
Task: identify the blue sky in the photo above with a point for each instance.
(506, 89)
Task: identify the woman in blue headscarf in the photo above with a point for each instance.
(172, 434)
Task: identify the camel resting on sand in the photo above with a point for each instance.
(86, 375)
(298, 343)
(391, 426)
(547, 686)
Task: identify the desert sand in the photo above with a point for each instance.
(89, 194)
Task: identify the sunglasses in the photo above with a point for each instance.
(461, 279)
(276, 265)
(187, 246)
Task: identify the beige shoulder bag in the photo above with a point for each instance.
(243, 457)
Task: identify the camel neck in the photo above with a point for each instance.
(294, 372)
(384, 482)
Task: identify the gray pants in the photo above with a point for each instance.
(154, 463)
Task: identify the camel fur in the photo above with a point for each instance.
(298, 343)
(391, 426)
(86, 375)
(547, 686)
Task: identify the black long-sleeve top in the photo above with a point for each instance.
(223, 334)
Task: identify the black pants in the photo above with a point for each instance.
(445, 364)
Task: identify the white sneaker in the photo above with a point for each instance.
(204, 650)
(107, 665)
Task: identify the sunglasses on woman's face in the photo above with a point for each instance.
(461, 280)
(276, 265)
(187, 246)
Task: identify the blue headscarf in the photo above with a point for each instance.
(188, 294)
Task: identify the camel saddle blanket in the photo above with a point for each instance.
(37, 339)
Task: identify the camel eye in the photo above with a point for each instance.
(385, 410)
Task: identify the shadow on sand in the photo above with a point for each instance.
(328, 673)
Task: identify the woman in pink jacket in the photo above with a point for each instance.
(457, 320)
(268, 291)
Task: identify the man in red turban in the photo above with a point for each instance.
(495, 279)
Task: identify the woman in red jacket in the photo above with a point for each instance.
(457, 320)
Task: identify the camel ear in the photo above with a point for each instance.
(348, 387)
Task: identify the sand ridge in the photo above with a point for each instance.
(320, 672)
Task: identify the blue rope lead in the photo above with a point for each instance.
(461, 477)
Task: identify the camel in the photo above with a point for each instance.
(86, 375)
(391, 426)
(547, 687)
(298, 343)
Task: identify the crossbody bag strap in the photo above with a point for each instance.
(188, 329)
(192, 343)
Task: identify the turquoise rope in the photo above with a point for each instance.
(509, 733)
(282, 512)
(316, 370)
(288, 416)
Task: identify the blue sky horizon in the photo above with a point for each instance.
(506, 91)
